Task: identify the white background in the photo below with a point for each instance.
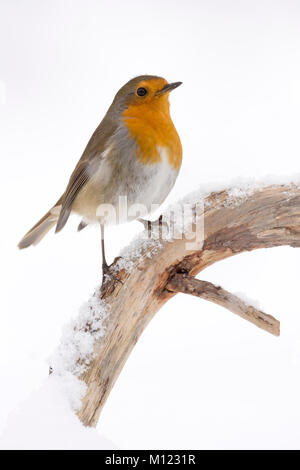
(199, 377)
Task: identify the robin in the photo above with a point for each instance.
(135, 153)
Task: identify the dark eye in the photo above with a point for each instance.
(141, 91)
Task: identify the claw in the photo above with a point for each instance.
(109, 275)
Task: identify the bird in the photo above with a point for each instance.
(135, 154)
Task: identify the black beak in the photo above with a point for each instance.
(168, 87)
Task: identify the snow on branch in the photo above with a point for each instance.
(235, 219)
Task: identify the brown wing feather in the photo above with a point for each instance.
(85, 168)
(79, 177)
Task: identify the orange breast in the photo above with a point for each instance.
(151, 126)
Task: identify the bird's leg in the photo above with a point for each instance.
(106, 271)
(105, 267)
(160, 220)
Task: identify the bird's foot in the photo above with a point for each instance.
(151, 226)
(109, 275)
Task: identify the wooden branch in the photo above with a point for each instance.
(267, 217)
(208, 291)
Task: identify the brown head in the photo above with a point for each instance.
(149, 90)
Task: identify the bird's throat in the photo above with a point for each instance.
(151, 127)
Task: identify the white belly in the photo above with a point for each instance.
(156, 181)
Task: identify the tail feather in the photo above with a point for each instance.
(41, 228)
